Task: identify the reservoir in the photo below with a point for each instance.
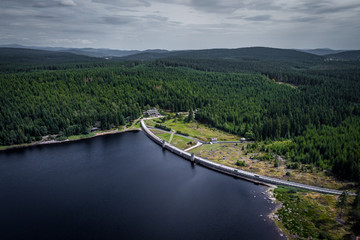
(124, 186)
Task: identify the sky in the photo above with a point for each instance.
(181, 24)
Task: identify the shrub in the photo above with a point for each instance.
(163, 127)
(240, 163)
(182, 133)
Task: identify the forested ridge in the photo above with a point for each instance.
(319, 113)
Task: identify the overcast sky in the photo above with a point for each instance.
(181, 24)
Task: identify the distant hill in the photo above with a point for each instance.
(243, 54)
(93, 52)
(32, 56)
(50, 55)
(347, 55)
(320, 51)
(240, 54)
(90, 52)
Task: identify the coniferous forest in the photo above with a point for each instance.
(311, 101)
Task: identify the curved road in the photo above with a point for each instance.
(234, 171)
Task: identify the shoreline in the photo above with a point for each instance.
(109, 132)
(273, 214)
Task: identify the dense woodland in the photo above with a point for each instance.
(317, 109)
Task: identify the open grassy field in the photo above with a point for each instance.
(178, 141)
(182, 143)
(164, 136)
(195, 129)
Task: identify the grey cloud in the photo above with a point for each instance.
(264, 5)
(155, 18)
(226, 6)
(324, 7)
(305, 19)
(259, 18)
(216, 5)
(336, 9)
(197, 23)
(44, 16)
(67, 3)
(131, 20)
(124, 3)
(47, 4)
(119, 20)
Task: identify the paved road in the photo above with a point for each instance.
(198, 144)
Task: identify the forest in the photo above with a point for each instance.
(308, 100)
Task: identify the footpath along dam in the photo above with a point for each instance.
(259, 179)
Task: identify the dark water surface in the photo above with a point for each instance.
(124, 187)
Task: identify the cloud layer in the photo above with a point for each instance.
(181, 24)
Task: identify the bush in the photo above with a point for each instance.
(240, 163)
(163, 127)
(63, 138)
(276, 163)
(295, 165)
(182, 133)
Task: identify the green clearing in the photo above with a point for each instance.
(194, 129)
(182, 142)
(224, 153)
(77, 137)
(150, 123)
(164, 136)
(177, 141)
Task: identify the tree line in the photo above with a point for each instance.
(71, 99)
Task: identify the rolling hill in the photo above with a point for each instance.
(347, 55)
(32, 56)
(242, 54)
(321, 51)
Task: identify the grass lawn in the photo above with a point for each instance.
(150, 123)
(195, 129)
(164, 136)
(77, 137)
(178, 141)
(182, 142)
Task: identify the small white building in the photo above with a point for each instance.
(151, 113)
